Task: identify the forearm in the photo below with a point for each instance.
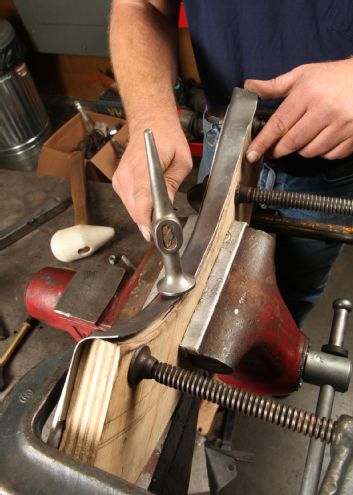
(143, 44)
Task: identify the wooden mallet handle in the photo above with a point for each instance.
(79, 188)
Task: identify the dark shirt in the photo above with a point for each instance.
(234, 40)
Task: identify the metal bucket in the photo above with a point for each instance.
(24, 123)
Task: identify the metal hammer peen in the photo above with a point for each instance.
(166, 228)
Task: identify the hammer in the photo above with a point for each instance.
(82, 239)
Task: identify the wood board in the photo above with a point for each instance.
(135, 419)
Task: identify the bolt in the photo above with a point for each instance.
(144, 366)
(298, 201)
(114, 259)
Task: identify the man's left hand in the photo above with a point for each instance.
(316, 116)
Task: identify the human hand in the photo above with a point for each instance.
(131, 179)
(316, 116)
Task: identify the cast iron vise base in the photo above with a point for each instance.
(28, 465)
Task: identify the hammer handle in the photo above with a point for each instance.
(79, 188)
(22, 332)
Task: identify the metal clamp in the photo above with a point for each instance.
(332, 370)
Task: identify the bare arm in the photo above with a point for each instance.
(143, 43)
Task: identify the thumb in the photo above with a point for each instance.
(278, 87)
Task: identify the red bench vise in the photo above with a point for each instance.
(250, 333)
(94, 297)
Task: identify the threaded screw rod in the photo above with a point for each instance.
(295, 200)
(145, 366)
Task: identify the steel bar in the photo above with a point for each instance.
(303, 228)
(32, 221)
(196, 332)
(295, 200)
(316, 450)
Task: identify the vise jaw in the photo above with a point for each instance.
(241, 327)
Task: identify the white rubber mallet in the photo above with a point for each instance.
(81, 240)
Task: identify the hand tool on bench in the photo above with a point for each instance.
(82, 239)
(25, 328)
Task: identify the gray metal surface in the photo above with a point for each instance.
(187, 232)
(322, 368)
(28, 465)
(33, 220)
(323, 372)
(78, 27)
(197, 328)
(24, 123)
(338, 479)
(316, 450)
(166, 228)
(90, 290)
(238, 118)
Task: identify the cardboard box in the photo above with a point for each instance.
(54, 158)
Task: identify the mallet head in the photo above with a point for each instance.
(79, 241)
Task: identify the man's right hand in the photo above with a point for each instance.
(131, 179)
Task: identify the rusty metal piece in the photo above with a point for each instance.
(145, 366)
(303, 228)
(295, 200)
(251, 332)
(198, 327)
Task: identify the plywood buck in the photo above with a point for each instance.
(108, 424)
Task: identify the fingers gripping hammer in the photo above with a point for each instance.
(166, 228)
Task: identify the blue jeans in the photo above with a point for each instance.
(302, 265)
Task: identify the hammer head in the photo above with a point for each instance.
(79, 241)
